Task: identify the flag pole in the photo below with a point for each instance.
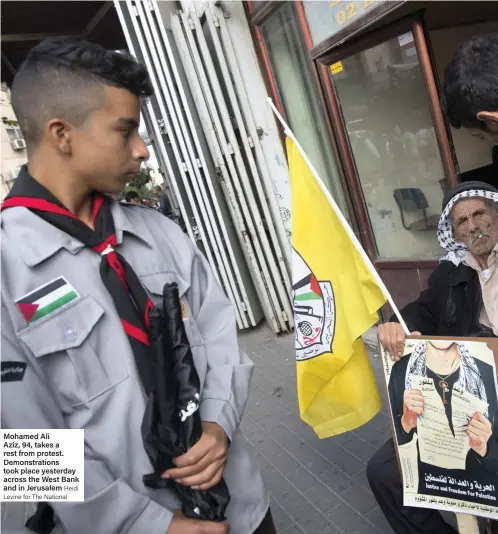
(343, 220)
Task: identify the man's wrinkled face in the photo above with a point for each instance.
(475, 223)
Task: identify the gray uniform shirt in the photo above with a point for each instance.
(81, 372)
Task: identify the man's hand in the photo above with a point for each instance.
(202, 466)
(392, 338)
(479, 431)
(181, 525)
(413, 405)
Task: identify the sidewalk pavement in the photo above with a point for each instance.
(317, 486)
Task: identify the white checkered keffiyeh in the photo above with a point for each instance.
(456, 250)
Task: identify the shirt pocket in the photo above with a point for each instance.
(70, 350)
(154, 284)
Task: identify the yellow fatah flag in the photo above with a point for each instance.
(336, 299)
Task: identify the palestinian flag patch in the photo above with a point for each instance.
(307, 289)
(46, 299)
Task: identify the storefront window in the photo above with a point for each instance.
(383, 99)
(290, 67)
(327, 18)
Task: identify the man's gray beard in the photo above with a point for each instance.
(477, 236)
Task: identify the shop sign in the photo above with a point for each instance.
(327, 18)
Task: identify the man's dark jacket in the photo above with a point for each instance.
(450, 306)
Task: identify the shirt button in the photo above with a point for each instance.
(69, 333)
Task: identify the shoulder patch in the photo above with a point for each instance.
(13, 371)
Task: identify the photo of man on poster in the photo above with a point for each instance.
(444, 402)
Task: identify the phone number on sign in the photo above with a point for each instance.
(345, 12)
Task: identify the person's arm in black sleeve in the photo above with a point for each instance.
(422, 315)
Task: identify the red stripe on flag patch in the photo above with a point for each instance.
(315, 286)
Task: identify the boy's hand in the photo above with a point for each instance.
(202, 466)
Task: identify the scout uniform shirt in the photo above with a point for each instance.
(78, 369)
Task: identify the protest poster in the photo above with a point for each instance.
(435, 391)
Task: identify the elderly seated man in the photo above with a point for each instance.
(462, 297)
(461, 300)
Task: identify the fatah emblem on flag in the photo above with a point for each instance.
(314, 311)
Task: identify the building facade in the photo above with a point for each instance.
(359, 83)
(13, 152)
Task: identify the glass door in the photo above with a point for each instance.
(387, 118)
(291, 69)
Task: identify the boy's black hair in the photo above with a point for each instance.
(131, 195)
(65, 78)
(471, 82)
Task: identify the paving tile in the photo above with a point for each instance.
(362, 479)
(301, 478)
(372, 530)
(348, 520)
(275, 482)
(328, 448)
(298, 447)
(289, 498)
(268, 423)
(281, 518)
(360, 449)
(257, 437)
(285, 463)
(277, 410)
(381, 422)
(371, 435)
(309, 519)
(294, 529)
(296, 425)
(283, 435)
(336, 480)
(379, 520)
(315, 462)
(341, 439)
(272, 450)
(361, 500)
(248, 428)
(323, 498)
(348, 463)
(254, 412)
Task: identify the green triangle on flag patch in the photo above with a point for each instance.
(46, 299)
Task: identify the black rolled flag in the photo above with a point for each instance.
(172, 422)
